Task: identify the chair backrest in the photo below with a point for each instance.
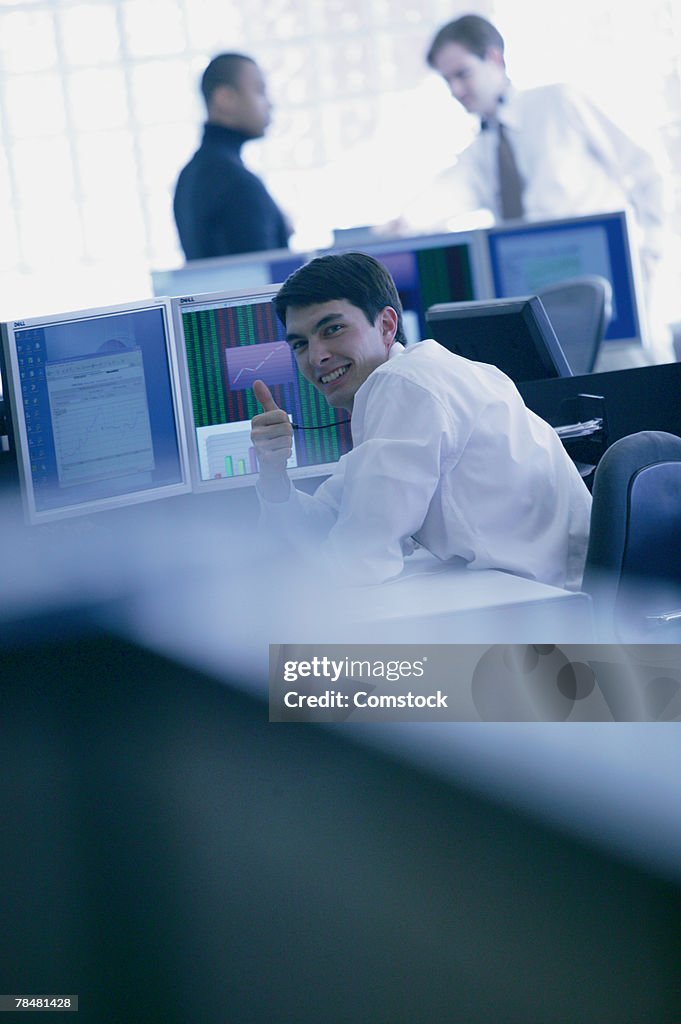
(633, 564)
(580, 310)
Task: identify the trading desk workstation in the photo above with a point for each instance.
(138, 606)
(118, 406)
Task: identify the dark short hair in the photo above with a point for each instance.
(225, 69)
(359, 279)
(474, 33)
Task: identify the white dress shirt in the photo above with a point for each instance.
(573, 159)
(447, 454)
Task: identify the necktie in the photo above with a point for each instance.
(510, 182)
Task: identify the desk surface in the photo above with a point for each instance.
(449, 604)
(209, 625)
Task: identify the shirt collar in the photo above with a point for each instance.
(218, 134)
(507, 112)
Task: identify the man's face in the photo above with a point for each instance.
(336, 348)
(247, 107)
(476, 82)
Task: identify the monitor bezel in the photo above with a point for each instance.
(35, 516)
(207, 299)
(161, 279)
(631, 258)
(525, 305)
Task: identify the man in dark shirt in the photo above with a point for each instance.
(220, 206)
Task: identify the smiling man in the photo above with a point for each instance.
(445, 453)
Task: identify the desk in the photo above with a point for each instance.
(210, 626)
(190, 583)
(640, 398)
(435, 603)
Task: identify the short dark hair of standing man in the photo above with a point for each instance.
(359, 279)
(475, 34)
(223, 70)
(235, 93)
(221, 208)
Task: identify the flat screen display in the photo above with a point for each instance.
(96, 409)
(514, 335)
(229, 340)
(527, 257)
(432, 268)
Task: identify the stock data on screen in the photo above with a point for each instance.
(227, 349)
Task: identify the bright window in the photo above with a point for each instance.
(100, 108)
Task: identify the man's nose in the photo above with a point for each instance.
(318, 352)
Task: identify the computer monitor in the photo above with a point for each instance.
(526, 257)
(230, 339)
(513, 334)
(428, 269)
(247, 270)
(96, 409)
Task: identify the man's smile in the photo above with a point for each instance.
(328, 378)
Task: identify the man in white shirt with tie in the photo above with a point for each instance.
(571, 159)
(542, 153)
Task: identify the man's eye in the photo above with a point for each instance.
(297, 346)
(333, 328)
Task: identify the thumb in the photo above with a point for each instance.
(264, 395)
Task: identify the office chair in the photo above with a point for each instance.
(580, 310)
(633, 564)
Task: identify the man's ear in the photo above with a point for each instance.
(495, 56)
(388, 320)
(223, 100)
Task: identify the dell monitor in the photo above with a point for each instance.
(432, 268)
(452, 267)
(229, 340)
(96, 413)
(513, 334)
(526, 257)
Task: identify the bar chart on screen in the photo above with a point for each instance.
(226, 450)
